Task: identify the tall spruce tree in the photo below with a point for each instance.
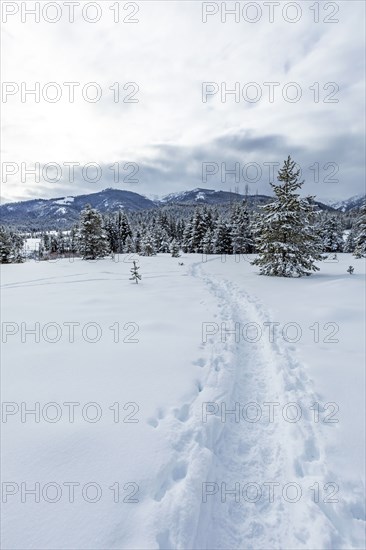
(174, 249)
(349, 245)
(199, 228)
(91, 238)
(286, 239)
(61, 245)
(137, 242)
(112, 233)
(241, 233)
(208, 242)
(124, 230)
(129, 245)
(332, 235)
(222, 239)
(147, 245)
(187, 236)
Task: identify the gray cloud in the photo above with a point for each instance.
(170, 132)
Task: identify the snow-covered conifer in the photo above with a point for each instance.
(208, 242)
(360, 233)
(287, 242)
(241, 233)
(222, 243)
(174, 249)
(135, 276)
(11, 245)
(199, 228)
(91, 238)
(147, 245)
(332, 235)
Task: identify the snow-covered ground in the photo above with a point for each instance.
(133, 445)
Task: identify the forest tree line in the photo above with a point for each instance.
(287, 226)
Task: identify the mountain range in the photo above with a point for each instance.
(65, 211)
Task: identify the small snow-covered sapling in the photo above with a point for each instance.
(135, 276)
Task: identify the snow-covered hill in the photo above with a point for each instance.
(202, 196)
(63, 212)
(353, 203)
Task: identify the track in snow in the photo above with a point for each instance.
(261, 452)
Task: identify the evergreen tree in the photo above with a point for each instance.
(61, 242)
(241, 233)
(137, 242)
(18, 247)
(222, 243)
(160, 238)
(112, 233)
(187, 236)
(286, 238)
(198, 231)
(164, 242)
(147, 245)
(6, 246)
(73, 240)
(174, 249)
(349, 245)
(91, 238)
(45, 239)
(53, 249)
(124, 229)
(179, 230)
(129, 245)
(332, 235)
(208, 242)
(135, 276)
(11, 245)
(360, 233)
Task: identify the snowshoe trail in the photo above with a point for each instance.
(253, 479)
(267, 475)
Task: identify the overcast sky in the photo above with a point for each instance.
(170, 132)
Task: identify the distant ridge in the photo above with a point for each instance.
(64, 211)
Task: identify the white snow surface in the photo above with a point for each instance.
(200, 196)
(161, 448)
(65, 200)
(61, 210)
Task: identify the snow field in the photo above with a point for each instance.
(180, 457)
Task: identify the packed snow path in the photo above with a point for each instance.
(279, 493)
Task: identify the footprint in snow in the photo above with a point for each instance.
(199, 362)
